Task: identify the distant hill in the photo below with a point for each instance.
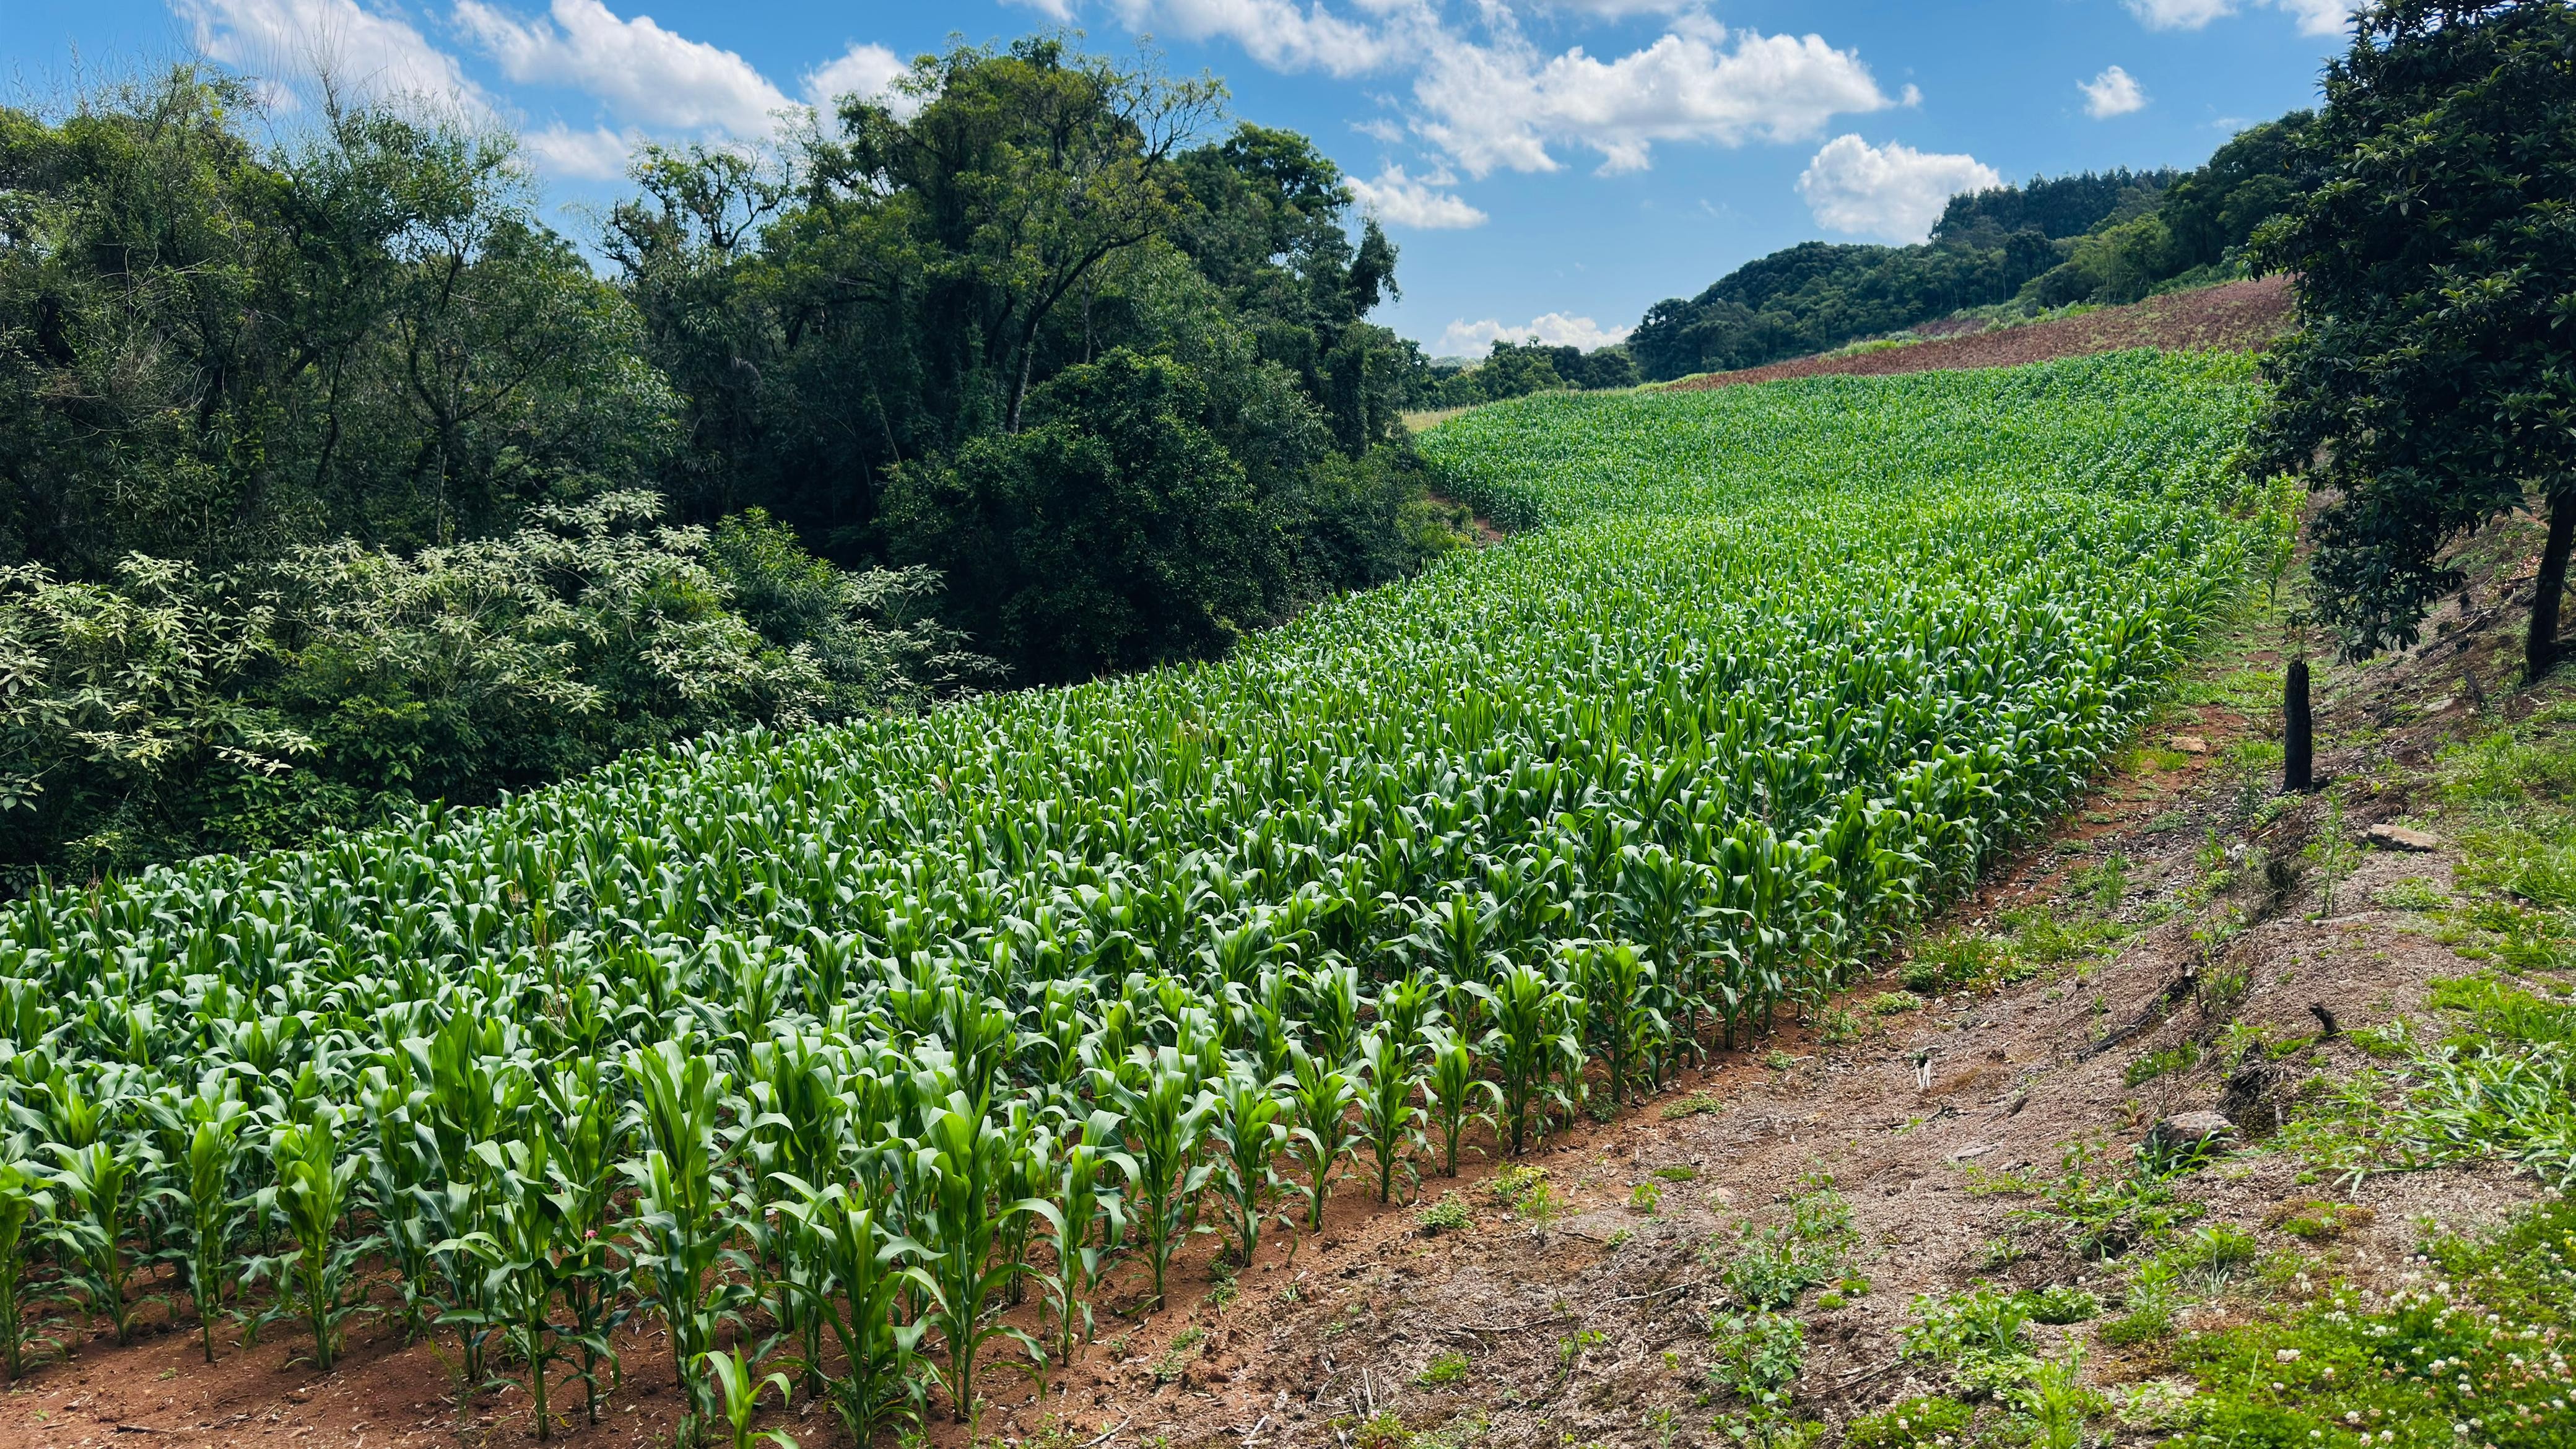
(2111, 236)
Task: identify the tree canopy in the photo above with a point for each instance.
(2435, 258)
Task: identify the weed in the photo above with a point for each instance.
(2058, 1403)
(1446, 1215)
(1778, 1060)
(1931, 1419)
(1646, 1197)
(2062, 1303)
(1445, 1369)
(1383, 1431)
(1981, 1335)
(2150, 1065)
(2101, 1208)
(1680, 1172)
(2412, 893)
(1836, 1026)
(1524, 1189)
(1759, 1356)
(1693, 1105)
(2318, 1222)
(1569, 1350)
(1894, 1003)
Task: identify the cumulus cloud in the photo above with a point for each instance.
(1473, 339)
(1403, 200)
(643, 73)
(2321, 17)
(369, 54)
(1893, 192)
(863, 70)
(1278, 33)
(2315, 17)
(598, 154)
(2114, 92)
(1501, 105)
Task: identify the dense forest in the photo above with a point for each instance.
(332, 479)
(2105, 237)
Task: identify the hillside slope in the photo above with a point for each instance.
(2233, 317)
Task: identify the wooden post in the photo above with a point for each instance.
(2299, 742)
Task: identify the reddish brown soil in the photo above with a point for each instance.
(2236, 317)
(1590, 1326)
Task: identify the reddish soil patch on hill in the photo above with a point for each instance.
(2237, 317)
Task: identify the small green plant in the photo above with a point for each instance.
(1448, 1215)
(1928, 1420)
(1646, 1197)
(2062, 1303)
(1682, 1172)
(1982, 1335)
(737, 1398)
(2059, 1403)
(1894, 1003)
(1382, 1431)
(1836, 1026)
(2319, 1222)
(2148, 1066)
(1445, 1369)
(1569, 1350)
(1759, 1356)
(1525, 1191)
(1696, 1104)
(2412, 893)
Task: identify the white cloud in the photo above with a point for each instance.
(2321, 17)
(1473, 339)
(2315, 17)
(644, 74)
(370, 54)
(598, 154)
(2114, 92)
(1500, 105)
(1413, 201)
(863, 70)
(2179, 14)
(1276, 33)
(1894, 192)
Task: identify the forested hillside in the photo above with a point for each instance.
(332, 479)
(2104, 237)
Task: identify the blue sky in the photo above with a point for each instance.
(1551, 168)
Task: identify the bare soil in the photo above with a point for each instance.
(2234, 317)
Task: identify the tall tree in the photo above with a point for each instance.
(2432, 388)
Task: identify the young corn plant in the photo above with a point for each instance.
(1451, 1088)
(24, 1202)
(962, 1159)
(1084, 1220)
(1164, 1113)
(1626, 1029)
(99, 1192)
(1531, 1039)
(679, 1235)
(319, 1282)
(860, 1273)
(737, 1396)
(1320, 1102)
(530, 1256)
(206, 1190)
(1390, 1119)
(1246, 1140)
(586, 1139)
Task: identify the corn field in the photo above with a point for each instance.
(811, 1054)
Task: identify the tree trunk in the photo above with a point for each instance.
(2540, 647)
(2299, 740)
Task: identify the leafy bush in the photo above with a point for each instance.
(173, 711)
